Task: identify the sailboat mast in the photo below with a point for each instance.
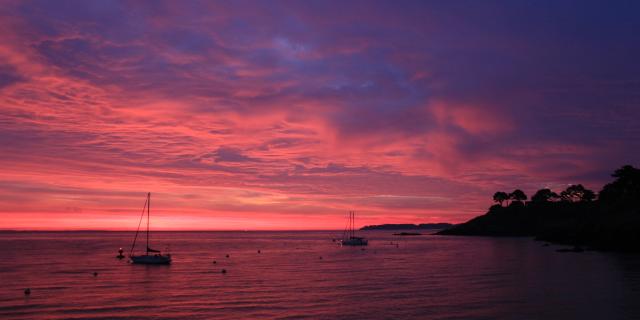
(135, 238)
(352, 223)
(148, 212)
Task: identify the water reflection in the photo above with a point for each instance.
(422, 277)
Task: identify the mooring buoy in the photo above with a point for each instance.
(120, 254)
(27, 291)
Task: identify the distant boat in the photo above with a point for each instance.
(150, 256)
(349, 236)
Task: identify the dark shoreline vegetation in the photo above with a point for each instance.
(408, 226)
(609, 220)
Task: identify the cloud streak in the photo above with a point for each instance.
(285, 114)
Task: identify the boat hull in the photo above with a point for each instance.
(151, 259)
(355, 242)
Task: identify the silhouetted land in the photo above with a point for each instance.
(408, 234)
(407, 226)
(609, 220)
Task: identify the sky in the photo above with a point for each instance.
(254, 115)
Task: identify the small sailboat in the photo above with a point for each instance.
(150, 256)
(349, 236)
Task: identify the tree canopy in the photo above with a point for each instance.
(625, 189)
(500, 197)
(623, 192)
(518, 195)
(544, 195)
(577, 193)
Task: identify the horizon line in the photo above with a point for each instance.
(186, 230)
(165, 230)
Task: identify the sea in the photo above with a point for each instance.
(306, 275)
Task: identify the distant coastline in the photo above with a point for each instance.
(408, 226)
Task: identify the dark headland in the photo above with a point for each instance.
(608, 220)
(408, 226)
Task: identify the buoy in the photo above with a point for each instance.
(120, 254)
(27, 291)
(258, 251)
(320, 258)
(227, 256)
(214, 262)
(95, 274)
(224, 271)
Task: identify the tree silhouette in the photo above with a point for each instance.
(500, 197)
(588, 195)
(625, 190)
(609, 220)
(518, 195)
(576, 193)
(544, 195)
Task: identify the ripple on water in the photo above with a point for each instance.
(426, 277)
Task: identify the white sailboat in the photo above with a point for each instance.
(349, 236)
(150, 256)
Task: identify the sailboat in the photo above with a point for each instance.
(349, 236)
(150, 256)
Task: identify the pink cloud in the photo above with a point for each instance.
(245, 118)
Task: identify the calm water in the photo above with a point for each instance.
(425, 277)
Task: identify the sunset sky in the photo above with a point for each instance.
(287, 114)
